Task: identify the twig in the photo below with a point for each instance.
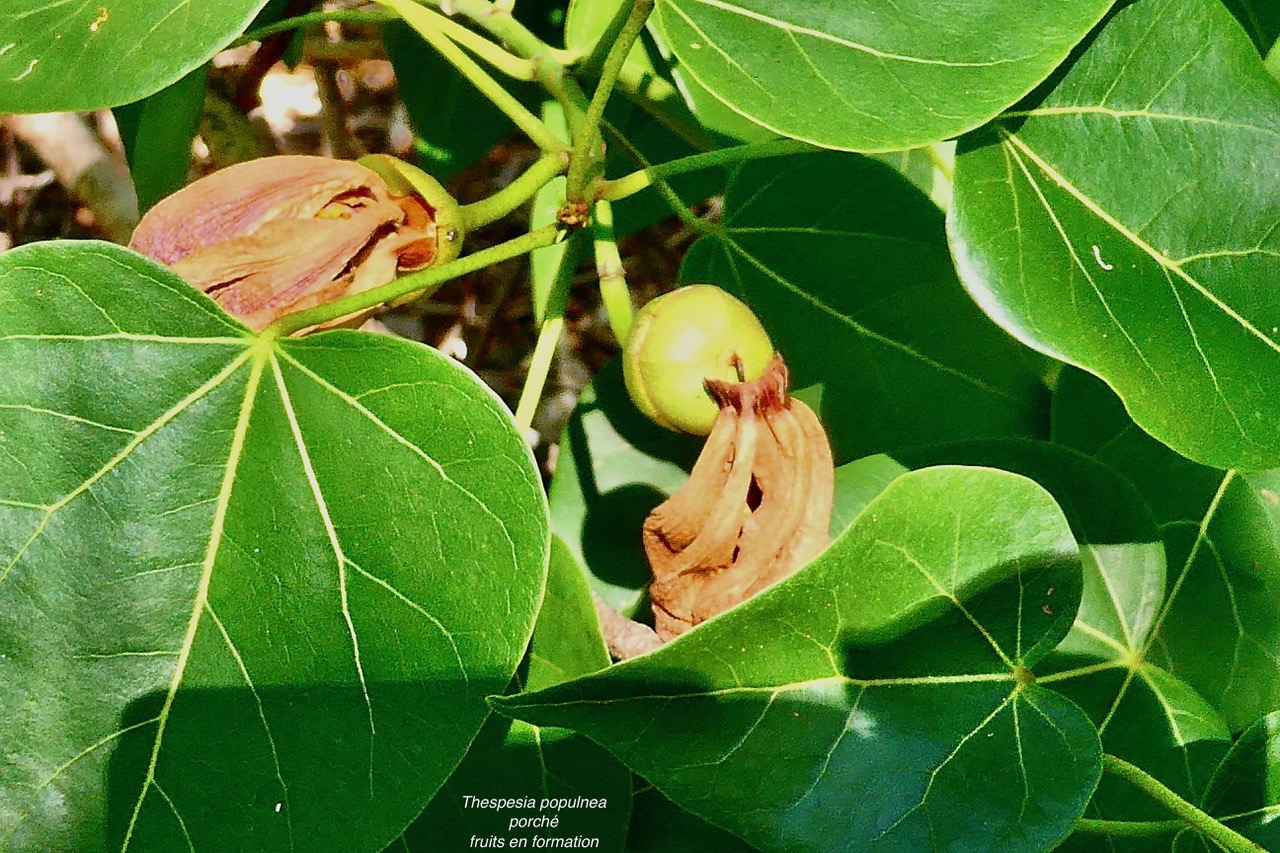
(84, 166)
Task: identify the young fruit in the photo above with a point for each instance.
(682, 339)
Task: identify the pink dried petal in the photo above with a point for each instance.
(238, 200)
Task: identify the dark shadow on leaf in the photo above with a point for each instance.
(611, 535)
(346, 786)
(823, 763)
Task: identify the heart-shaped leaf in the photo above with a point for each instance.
(1119, 223)
(57, 56)
(1145, 715)
(872, 77)
(252, 592)
(879, 698)
(846, 264)
(1216, 626)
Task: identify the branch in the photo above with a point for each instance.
(84, 166)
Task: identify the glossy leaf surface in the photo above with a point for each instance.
(1218, 628)
(252, 593)
(1145, 715)
(81, 56)
(513, 759)
(846, 265)
(872, 77)
(1121, 223)
(829, 712)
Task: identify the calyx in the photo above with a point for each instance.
(756, 507)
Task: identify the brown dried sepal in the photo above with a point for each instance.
(275, 235)
(756, 508)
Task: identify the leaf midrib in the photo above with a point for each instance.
(258, 353)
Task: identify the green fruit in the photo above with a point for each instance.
(682, 339)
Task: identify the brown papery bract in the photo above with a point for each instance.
(276, 235)
(757, 505)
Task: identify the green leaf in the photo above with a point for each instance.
(1245, 790)
(872, 78)
(846, 264)
(1121, 551)
(1260, 19)
(856, 484)
(514, 760)
(879, 697)
(56, 56)
(253, 593)
(1217, 628)
(454, 122)
(157, 133)
(1118, 223)
(929, 168)
(660, 826)
(566, 640)
(1162, 724)
(714, 113)
(1149, 718)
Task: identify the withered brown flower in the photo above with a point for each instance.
(276, 235)
(756, 507)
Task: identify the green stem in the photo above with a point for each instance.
(342, 16)
(548, 63)
(423, 20)
(587, 146)
(1222, 835)
(636, 181)
(1130, 828)
(613, 276)
(422, 282)
(571, 252)
(508, 63)
(539, 369)
(593, 63)
(513, 195)
(668, 194)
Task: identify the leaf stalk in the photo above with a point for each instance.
(1208, 826)
(427, 24)
(633, 183)
(514, 194)
(588, 147)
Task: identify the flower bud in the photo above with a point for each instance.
(684, 338)
(275, 235)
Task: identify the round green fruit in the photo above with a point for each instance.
(680, 340)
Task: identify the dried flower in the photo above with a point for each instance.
(756, 507)
(276, 235)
